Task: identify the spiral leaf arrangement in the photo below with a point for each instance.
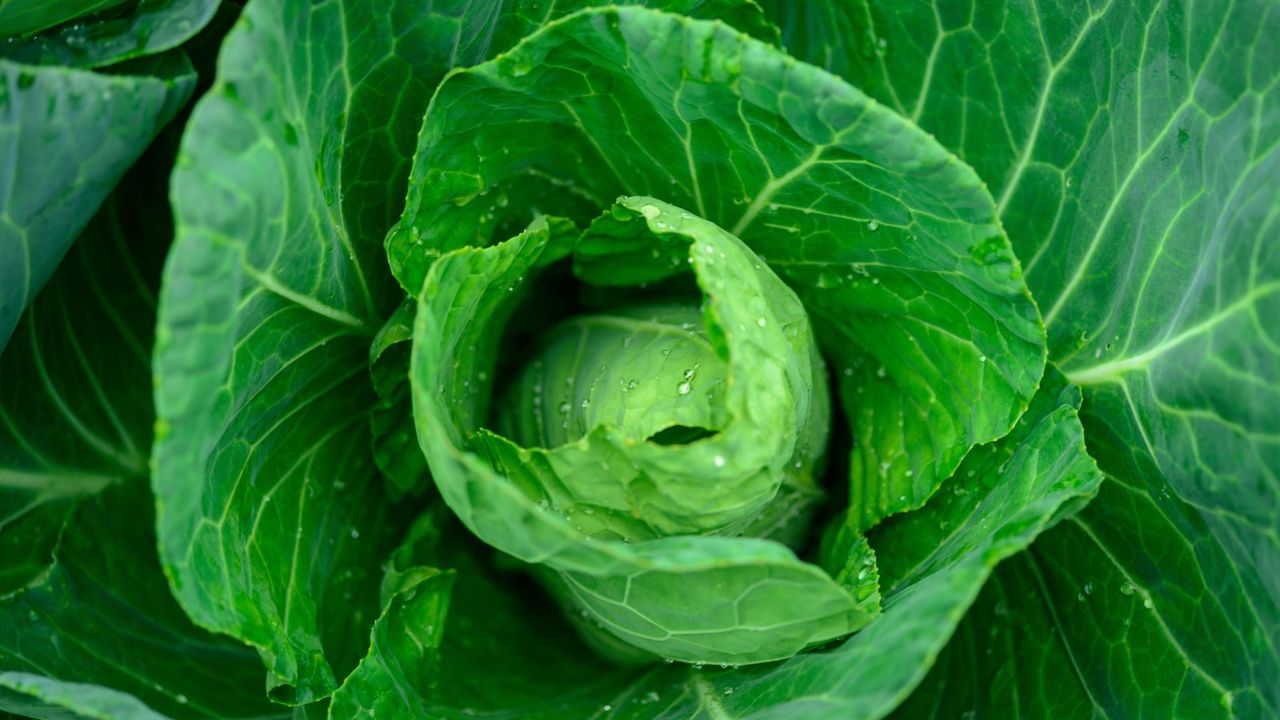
(666, 359)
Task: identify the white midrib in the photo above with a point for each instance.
(772, 187)
(270, 283)
(1113, 370)
(710, 699)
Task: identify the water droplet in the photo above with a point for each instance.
(880, 372)
(355, 534)
(684, 388)
(1127, 588)
(719, 461)
(761, 322)
(872, 225)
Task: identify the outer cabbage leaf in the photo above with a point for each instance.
(75, 411)
(139, 28)
(84, 605)
(269, 515)
(891, 243)
(1133, 151)
(41, 697)
(101, 617)
(67, 137)
(22, 17)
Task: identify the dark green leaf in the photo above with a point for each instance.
(1133, 149)
(67, 137)
(102, 617)
(75, 407)
(22, 17)
(145, 27)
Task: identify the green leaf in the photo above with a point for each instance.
(1005, 661)
(272, 294)
(75, 410)
(696, 599)
(102, 617)
(67, 137)
(944, 553)
(21, 17)
(292, 168)
(395, 443)
(83, 602)
(402, 653)
(940, 556)
(1144, 206)
(141, 28)
(919, 299)
(41, 697)
(402, 666)
(1086, 624)
(495, 627)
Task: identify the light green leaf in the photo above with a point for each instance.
(67, 137)
(1132, 148)
(697, 599)
(891, 243)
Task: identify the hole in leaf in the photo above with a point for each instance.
(680, 435)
